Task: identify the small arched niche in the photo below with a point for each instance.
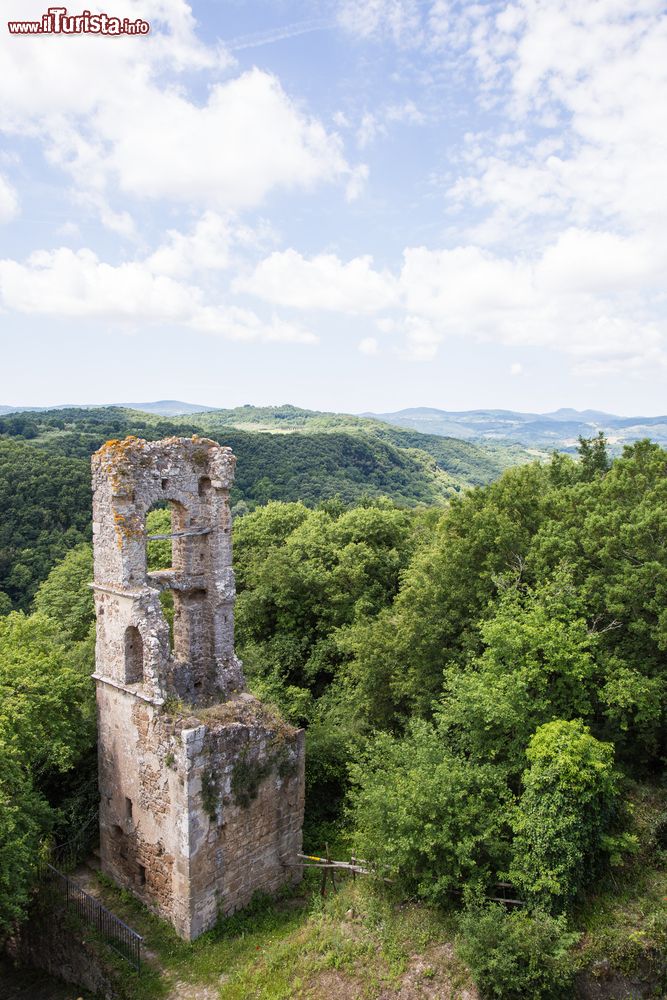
(134, 655)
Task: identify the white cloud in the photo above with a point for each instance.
(593, 296)
(369, 346)
(9, 201)
(369, 128)
(120, 122)
(591, 262)
(67, 284)
(516, 368)
(567, 185)
(356, 182)
(397, 19)
(247, 139)
(565, 299)
(206, 248)
(324, 282)
(422, 340)
(597, 73)
(407, 112)
(62, 282)
(374, 125)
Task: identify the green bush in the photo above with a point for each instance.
(435, 821)
(517, 955)
(564, 821)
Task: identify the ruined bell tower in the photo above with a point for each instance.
(201, 786)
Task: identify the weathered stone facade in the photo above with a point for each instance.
(201, 787)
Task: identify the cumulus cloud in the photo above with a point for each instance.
(323, 282)
(540, 302)
(247, 139)
(563, 242)
(208, 247)
(593, 296)
(117, 119)
(597, 74)
(79, 285)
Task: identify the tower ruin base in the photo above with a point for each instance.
(209, 809)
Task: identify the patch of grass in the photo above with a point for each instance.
(625, 919)
(363, 942)
(281, 949)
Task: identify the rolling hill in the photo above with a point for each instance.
(559, 429)
(283, 454)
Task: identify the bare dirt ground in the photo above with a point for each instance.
(429, 976)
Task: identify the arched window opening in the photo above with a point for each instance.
(134, 656)
(159, 554)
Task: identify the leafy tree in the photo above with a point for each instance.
(305, 575)
(43, 696)
(434, 821)
(46, 728)
(45, 501)
(563, 825)
(159, 550)
(594, 456)
(612, 531)
(399, 657)
(24, 819)
(65, 595)
(537, 665)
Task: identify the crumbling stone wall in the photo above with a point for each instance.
(201, 788)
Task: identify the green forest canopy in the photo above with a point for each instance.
(45, 472)
(479, 682)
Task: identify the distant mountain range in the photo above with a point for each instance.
(560, 429)
(162, 407)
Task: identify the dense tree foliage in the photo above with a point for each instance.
(65, 595)
(499, 622)
(564, 818)
(46, 730)
(305, 575)
(45, 477)
(446, 591)
(45, 501)
(478, 679)
(431, 819)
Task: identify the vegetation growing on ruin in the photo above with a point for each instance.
(210, 793)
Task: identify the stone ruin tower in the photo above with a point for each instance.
(201, 786)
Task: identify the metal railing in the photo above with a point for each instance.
(120, 937)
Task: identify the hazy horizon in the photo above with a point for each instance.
(164, 399)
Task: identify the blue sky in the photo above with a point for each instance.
(349, 206)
